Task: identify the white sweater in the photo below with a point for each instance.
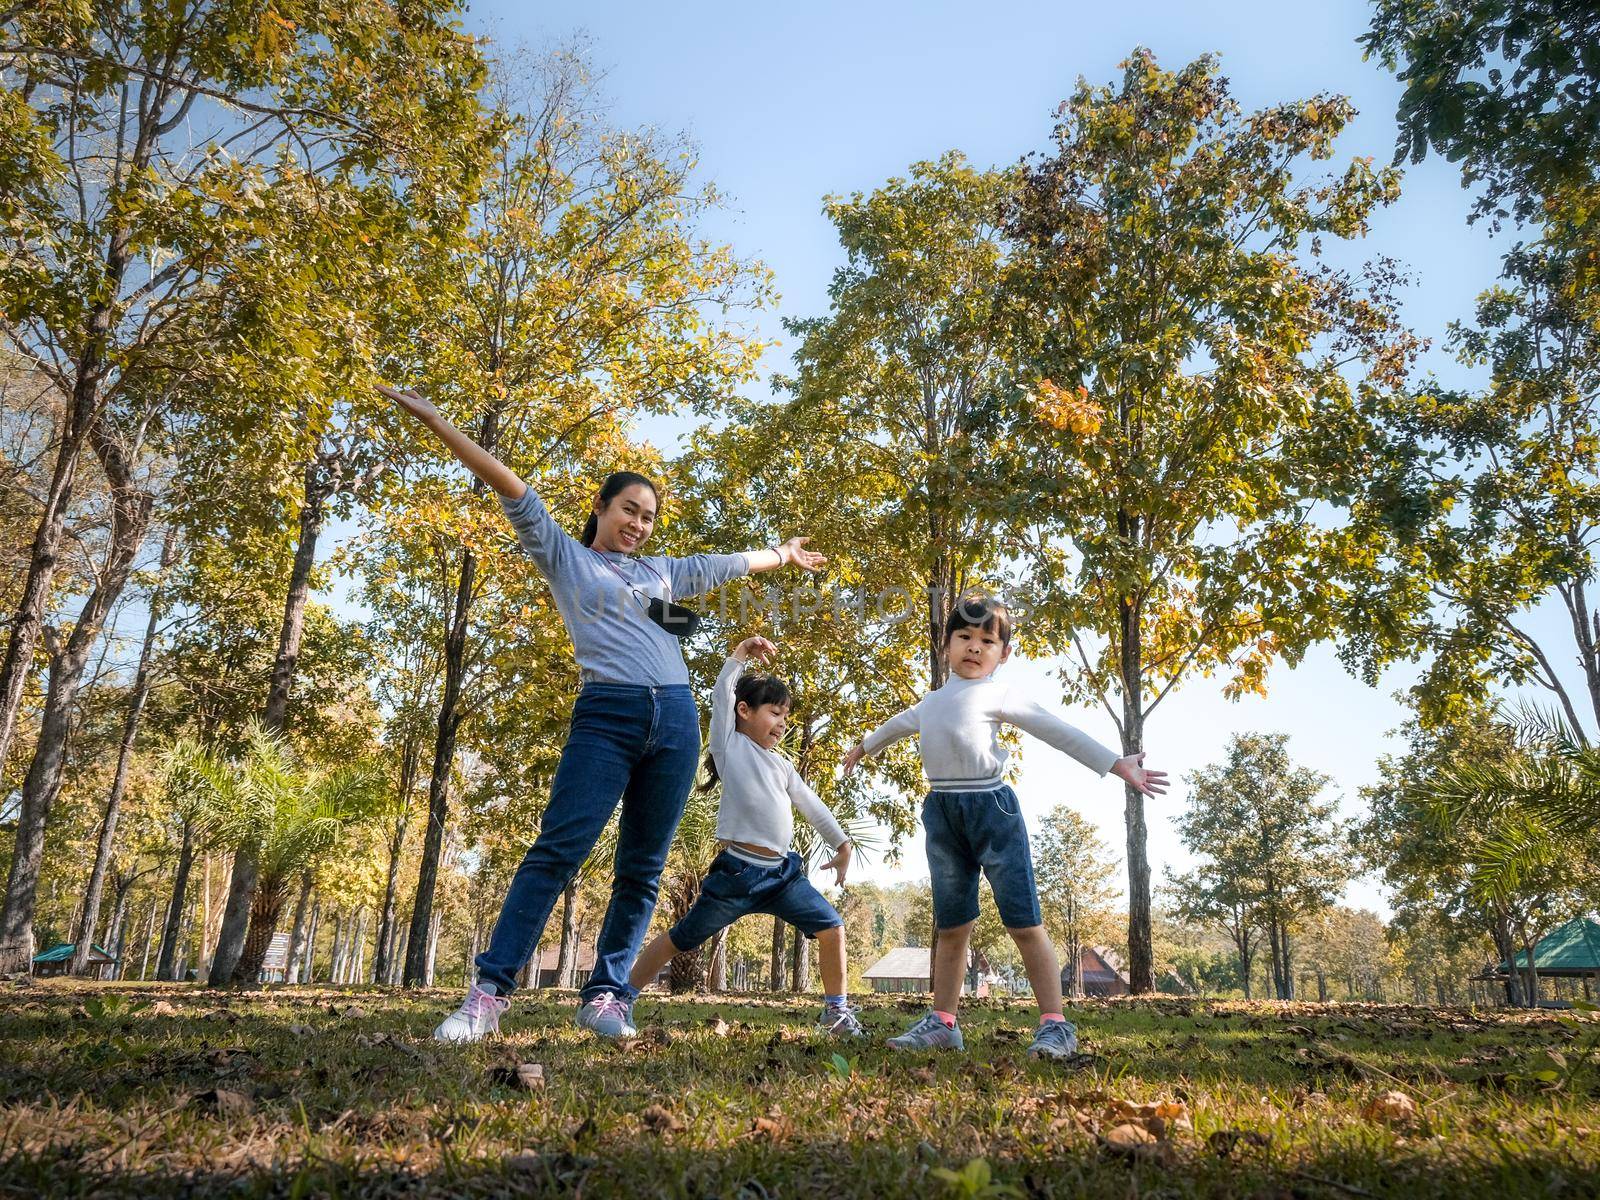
(759, 785)
(958, 728)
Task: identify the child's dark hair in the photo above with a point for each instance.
(616, 483)
(754, 689)
(979, 612)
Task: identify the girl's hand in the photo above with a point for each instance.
(853, 756)
(839, 863)
(1131, 769)
(757, 648)
(412, 402)
(794, 551)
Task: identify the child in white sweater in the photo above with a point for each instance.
(974, 821)
(757, 872)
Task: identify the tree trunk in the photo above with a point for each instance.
(434, 928)
(174, 922)
(308, 969)
(27, 622)
(941, 597)
(302, 954)
(567, 954)
(801, 963)
(297, 932)
(229, 952)
(265, 907)
(149, 939)
(397, 843)
(779, 945)
(397, 957)
(336, 950)
(448, 725)
(717, 977)
(130, 518)
(1141, 962)
(227, 965)
(119, 780)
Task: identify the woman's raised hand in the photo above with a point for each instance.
(413, 402)
(794, 551)
(755, 647)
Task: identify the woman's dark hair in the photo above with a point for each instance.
(979, 612)
(616, 483)
(754, 689)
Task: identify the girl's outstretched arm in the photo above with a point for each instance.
(473, 456)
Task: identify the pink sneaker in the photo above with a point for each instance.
(478, 1016)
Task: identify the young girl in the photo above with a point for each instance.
(974, 822)
(757, 872)
(635, 735)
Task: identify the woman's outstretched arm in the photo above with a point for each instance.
(792, 551)
(473, 456)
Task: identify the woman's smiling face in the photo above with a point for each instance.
(625, 524)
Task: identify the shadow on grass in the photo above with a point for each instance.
(836, 1169)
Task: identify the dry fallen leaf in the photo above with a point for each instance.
(718, 1026)
(660, 1120)
(226, 1102)
(162, 1009)
(1224, 1141)
(1129, 1136)
(1391, 1107)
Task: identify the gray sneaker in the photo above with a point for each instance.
(840, 1022)
(607, 1016)
(1054, 1039)
(930, 1033)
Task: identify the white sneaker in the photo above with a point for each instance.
(478, 1016)
(842, 1021)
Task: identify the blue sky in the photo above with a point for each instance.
(789, 103)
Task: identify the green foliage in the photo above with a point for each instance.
(974, 1181)
(288, 812)
(1508, 88)
(1272, 853)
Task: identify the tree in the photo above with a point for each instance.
(1191, 391)
(84, 937)
(1486, 504)
(1510, 89)
(152, 141)
(585, 298)
(288, 814)
(1486, 829)
(1272, 853)
(900, 381)
(104, 175)
(1074, 869)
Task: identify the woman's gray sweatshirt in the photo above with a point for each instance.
(613, 636)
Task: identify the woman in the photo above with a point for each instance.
(635, 734)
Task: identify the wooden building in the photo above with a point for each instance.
(907, 969)
(58, 961)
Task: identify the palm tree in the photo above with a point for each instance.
(1526, 802)
(288, 814)
(692, 851)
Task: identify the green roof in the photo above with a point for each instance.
(64, 951)
(1574, 946)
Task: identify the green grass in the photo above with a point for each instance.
(104, 1092)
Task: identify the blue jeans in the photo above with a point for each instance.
(970, 832)
(637, 744)
(734, 888)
